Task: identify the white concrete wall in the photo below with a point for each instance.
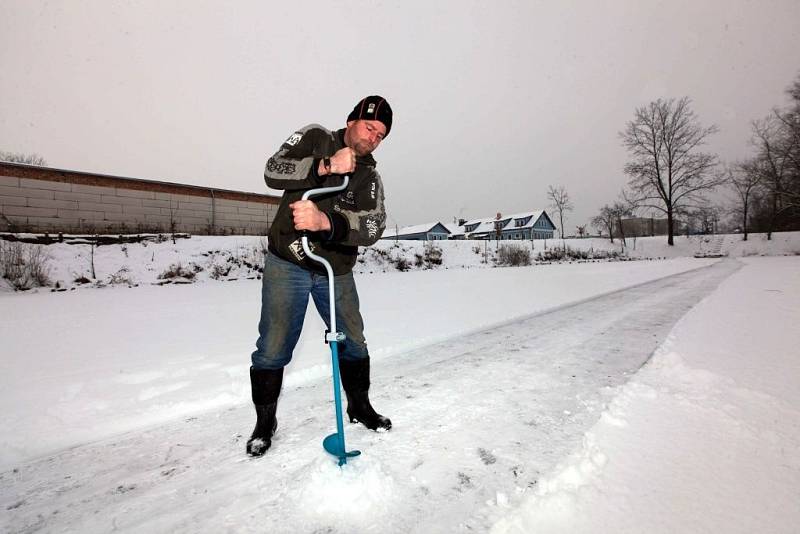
(31, 205)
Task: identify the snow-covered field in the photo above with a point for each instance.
(517, 395)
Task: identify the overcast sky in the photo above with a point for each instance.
(493, 101)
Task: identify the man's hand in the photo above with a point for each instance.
(343, 162)
(308, 217)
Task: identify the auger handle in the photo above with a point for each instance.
(304, 240)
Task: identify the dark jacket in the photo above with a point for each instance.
(357, 213)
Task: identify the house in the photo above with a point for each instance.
(527, 225)
(456, 230)
(420, 232)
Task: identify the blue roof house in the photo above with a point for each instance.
(421, 232)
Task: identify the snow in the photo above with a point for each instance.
(519, 397)
(136, 357)
(332, 490)
(705, 437)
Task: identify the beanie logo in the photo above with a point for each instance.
(294, 139)
(372, 108)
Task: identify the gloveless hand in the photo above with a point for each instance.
(342, 162)
(307, 216)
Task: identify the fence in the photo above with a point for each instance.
(40, 199)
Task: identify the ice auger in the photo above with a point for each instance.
(333, 443)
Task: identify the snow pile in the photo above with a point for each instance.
(359, 493)
(557, 495)
(705, 438)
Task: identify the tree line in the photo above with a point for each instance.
(669, 172)
(767, 184)
(19, 157)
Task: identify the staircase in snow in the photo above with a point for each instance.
(711, 247)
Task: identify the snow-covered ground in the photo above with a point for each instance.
(87, 364)
(704, 438)
(517, 396)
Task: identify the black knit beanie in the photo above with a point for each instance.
(373, 108)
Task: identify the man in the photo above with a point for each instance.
(338, 224)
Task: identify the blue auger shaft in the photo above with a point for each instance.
(337, 397)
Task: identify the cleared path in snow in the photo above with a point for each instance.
(477, 421)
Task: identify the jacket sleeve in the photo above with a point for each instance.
(362, 225)
(295, 164)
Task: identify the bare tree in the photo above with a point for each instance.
(745, 179)
(790, 142)
(611, 218)
(790, 118)
(620, 210)
(794, 92)
(774, 146)
(774, 204)
(27, 159)
(666, 168)
(560, 202)
(605, 221)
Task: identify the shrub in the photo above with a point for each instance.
(220, 271)
(24, 266)
(176, 270)
(245, 261)
(568, 253)
(401, 263)
(122, 277)
(432, 255)
(513, 256)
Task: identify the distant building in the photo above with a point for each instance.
(421, 232)
(528, 225)
(643, 227)
(456, 230)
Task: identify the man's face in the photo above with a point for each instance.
(364, 136)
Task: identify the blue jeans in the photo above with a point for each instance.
(284, 299)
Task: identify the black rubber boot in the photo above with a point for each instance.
(266, 387)
(355, 381)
